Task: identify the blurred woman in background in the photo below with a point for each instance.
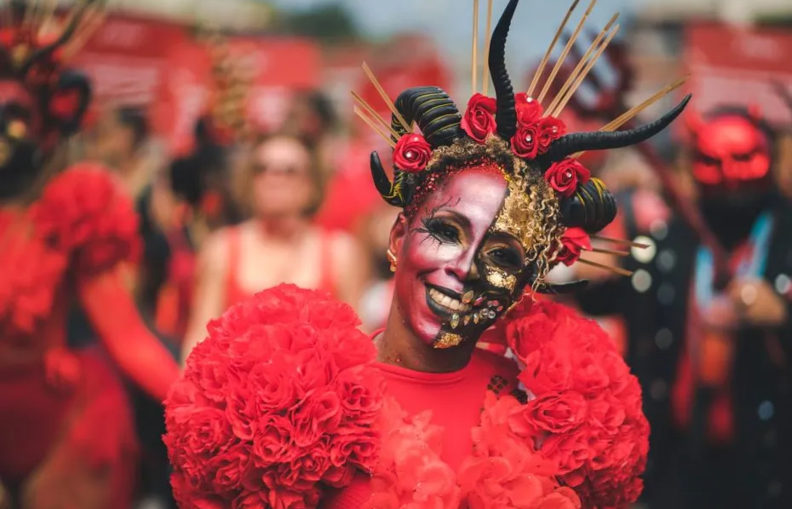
(66, 432)
(282, 186)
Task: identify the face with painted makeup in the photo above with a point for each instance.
(462, 260)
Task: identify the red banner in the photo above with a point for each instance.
(737, 66)
(159, 66)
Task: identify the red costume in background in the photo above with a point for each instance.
(65, 409)
(66, 437)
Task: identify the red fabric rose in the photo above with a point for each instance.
(505, 472)
(258, 418)
(565, 176)
(573, 241)
(479, 119)
(550, 129)
(525, 142)
(586, 412)
(556, 412)
(412, 153)
(409, 471)
(529, 111)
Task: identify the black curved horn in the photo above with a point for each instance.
(601, 140)
(436, 114)
(592, 207)
(505, 115)
(390, 193)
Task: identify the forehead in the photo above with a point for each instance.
(729, 134)
(282, 149)
(476, 193)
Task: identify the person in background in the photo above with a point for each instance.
(313, 118)
(416, 415)
(69, 236)
(711, 345)
(120, 141)
(281, 184)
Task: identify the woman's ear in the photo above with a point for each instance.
(397, 234)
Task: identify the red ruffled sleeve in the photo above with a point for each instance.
(276, 404)
(584, 403)
(85, 213)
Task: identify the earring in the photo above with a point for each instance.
(392, 259)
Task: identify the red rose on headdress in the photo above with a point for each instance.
(550, 129)
(412, 153)
(565, 176)
(525, 142)
(479, 119)
(573, 241)
(529, 110)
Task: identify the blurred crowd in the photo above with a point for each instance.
(703, 316)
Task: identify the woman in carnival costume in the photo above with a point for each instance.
(66, 434)
(287, 404)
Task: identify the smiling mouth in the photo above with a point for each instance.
(445, 302)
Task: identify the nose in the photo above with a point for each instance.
(463, 267)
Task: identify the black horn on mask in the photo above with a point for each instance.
(439, 121)
(505, 114)
(602, 140)
(592, 207)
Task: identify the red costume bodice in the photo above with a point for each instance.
(455, 402)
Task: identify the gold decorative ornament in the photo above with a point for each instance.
(392, 259)
(447, 340)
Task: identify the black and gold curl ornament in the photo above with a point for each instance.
(526, 124)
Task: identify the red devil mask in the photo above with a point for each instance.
(730, 152)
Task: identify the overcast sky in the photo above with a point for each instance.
(449, 21)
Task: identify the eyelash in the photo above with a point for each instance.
(505, 256)
(442, 231)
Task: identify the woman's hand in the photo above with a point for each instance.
(757, 304)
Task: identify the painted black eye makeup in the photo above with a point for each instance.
(505, 256)
(443, 230)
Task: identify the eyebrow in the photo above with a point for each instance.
(499, 235)
(463, 220)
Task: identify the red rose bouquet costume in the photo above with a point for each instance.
(284, 406)
(66, 420)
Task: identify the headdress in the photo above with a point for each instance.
(527, 123)
(35, 45)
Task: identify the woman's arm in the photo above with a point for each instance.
(209, 292)
(109, 305)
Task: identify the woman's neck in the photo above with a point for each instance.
(283, 228)
(398, 345)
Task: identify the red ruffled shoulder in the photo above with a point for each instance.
(584, 410)
(85, 213)
(277, 402)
